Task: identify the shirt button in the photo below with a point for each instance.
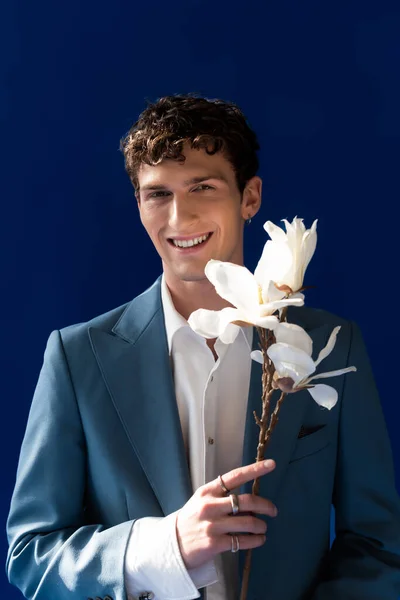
(210, 440)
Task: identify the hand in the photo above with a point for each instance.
(205, 522)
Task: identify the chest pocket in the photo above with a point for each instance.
(310, 444)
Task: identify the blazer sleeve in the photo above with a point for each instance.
(364, 560)
(52, 553)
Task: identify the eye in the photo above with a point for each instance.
(156, 194)
(204, 185)
(163, 193)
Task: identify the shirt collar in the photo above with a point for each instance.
(174, 321)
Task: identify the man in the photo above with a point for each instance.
(135, 416)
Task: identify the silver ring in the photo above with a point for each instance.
(224, 488)
(236, 547)
(235, 503)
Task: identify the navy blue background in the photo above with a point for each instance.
(319, 82)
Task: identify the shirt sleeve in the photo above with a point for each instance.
(153, 562)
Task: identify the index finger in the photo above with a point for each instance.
(237, 477)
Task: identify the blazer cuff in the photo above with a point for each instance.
(153, 562)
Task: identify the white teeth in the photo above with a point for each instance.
(193, 242)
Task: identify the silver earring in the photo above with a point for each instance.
(248, 221)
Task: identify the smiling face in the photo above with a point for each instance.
(193, 211)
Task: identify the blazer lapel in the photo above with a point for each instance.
(135, 365)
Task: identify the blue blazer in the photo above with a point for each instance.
(103, 447)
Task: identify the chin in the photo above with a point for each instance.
(191, 276)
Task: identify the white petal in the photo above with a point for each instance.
(324, 395)
(309, 244)
(286, 369)
(294, 232)
(274, 264)
(294, 335)
(275, 233)
(329, 346)
(301, 243)
(212, 323)
(268, 322)
(229, 334)
(271, 307)
(332, 373)
(270, 292)
(296, 299)
(257, 355)
(290, 361)
(234, 283)
(297, 295)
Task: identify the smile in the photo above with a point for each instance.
(189, 243)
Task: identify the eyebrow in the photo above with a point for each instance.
(186, 183)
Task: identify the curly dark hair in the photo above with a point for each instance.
(212, 124)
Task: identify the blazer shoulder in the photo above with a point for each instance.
(311, 318)
(129, 315)
(106, 321)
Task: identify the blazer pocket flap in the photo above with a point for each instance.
(310, 444)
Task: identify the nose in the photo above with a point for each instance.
(182, 213)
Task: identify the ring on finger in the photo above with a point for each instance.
(235, 547)
(224, 488)
(234, 502)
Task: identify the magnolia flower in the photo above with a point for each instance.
(286, 255)
(254, 301)
(291, 356)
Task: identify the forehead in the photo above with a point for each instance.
(197, 164)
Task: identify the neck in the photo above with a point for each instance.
(188, 296)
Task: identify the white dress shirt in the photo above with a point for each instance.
(212, 400)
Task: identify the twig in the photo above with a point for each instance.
(266, 339)
(257, 420)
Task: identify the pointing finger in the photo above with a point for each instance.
(237, 477)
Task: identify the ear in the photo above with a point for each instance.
(251, 198)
